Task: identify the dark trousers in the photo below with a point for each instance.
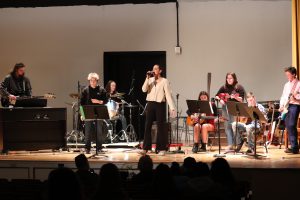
(90, 128)
(156, 112)
(291, 125)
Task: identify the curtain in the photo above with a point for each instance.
(295, 34)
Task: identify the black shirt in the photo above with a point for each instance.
(11, 85)
(89, 93)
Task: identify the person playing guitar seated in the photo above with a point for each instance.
(248, 126)
(201, 125)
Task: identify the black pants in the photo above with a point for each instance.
(156, 112)
(90, 128)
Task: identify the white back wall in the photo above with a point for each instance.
(61, 45)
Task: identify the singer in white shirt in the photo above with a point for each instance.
(158, 93)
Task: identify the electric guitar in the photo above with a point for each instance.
(5, 102)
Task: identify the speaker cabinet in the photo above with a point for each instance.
(32, 128)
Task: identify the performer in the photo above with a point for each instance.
(15, 84)
(93, 95)
(231, 91)
(248, 126)
(202, 126)
(111, 89)
(290, 101)
(158, 91)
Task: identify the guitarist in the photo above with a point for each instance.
(15, 84)
(230, 91)
(290, 99)
(202, 126)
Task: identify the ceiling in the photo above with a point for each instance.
(49, 3)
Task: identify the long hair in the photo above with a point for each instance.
(235, 81)
(16, 68)
(107, 87)
(203, 93)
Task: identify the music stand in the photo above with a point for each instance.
(236, 109)
(255, 114)
(94, 113)
(197, 106)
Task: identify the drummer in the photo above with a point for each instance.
(112, 95)
(93, 95)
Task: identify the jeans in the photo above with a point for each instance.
(228, 125)
(291, 125)
(249, 129)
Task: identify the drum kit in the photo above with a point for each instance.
(115, 111)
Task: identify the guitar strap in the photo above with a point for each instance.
(294, 86)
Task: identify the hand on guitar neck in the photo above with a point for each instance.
(223, 97)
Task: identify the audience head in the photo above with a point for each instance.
(82, 162)
(63, 184)
(145, 164)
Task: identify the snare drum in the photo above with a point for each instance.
(112, 108)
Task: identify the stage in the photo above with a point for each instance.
(35, 162)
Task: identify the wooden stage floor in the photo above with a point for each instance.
(275, 158)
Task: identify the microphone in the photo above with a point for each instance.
(150, 73)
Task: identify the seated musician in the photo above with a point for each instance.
(93, 95)
(111, 89)
(247, 126)
(202, 126)
(15, 84)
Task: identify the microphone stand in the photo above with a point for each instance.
(177, 127)
(219, 155)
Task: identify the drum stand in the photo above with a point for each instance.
(130, 133)
(75, 133)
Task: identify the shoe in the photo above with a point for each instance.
(293, 151)
(202, 148)
(162, 153)
(249, 151)
(195, 148)
(239, 146)
(100, 151)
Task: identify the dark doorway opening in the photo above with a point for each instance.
(128, 70)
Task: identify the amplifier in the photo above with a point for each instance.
(32, 128)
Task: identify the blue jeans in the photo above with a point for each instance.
(291, 125)
(228, 125)
(249, 129)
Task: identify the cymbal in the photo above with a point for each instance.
(74, 95)
(130, 106)
(117, 94)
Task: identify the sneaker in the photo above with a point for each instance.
(293, 151)
(239, 146)
(195, 148)
(162, 153)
